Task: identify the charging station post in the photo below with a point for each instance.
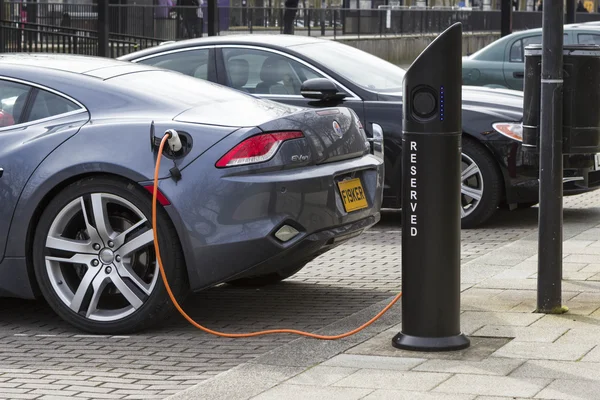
(431, 198)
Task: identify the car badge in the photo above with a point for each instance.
(337, 129)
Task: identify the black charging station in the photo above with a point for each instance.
(431, 198)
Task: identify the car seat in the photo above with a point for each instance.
(239, 70)
(273, 71)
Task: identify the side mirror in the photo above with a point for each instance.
(320, 89)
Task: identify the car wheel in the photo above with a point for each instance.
(267, 279)
(481, 184)
(94, 259)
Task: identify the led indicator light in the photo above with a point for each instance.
(441, 103)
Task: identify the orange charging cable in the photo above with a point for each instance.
(235, 335)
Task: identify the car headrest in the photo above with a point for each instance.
(273, 69)
(239, 71)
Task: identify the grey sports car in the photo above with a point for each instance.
(257, 190)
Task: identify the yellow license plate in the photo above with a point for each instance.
(353, 195)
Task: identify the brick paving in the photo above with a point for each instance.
(42, 357)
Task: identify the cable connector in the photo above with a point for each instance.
(174, 140)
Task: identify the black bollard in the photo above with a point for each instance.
(431, 198)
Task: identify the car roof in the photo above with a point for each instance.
(568, 27)
(100, 67)
(271, 40)
(585, 25)
(279, 40)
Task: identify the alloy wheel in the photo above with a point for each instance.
(471, 188)
(99, 257)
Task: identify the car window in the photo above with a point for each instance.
(264, 72)
(12, 100)
(517, 48)
(493, 51)
(191, 62)
(516, 51)
(357, 66)
(15, 107)
(588, 38)
(46, 104)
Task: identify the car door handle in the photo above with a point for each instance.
(519, 74)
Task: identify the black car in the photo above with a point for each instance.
(316, 72)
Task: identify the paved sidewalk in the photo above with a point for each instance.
(515, 353)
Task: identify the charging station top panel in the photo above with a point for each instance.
(433, 86)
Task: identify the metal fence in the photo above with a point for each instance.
(58, 27)
(27, 37)
(170, 23)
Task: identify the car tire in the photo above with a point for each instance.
(100, 274)
(527, 205)
(268, 279)
(481, 184)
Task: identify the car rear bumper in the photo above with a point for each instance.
(304, 250)
(575, 181)
(581, 172)
(227, 222)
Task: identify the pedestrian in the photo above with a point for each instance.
(291, 8)
(192, 17)
(580, 7)
(540, 6)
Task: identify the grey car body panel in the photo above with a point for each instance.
(21, 151)
(218, 223)
(15, 280)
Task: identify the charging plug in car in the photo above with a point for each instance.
(174, 140)
(178, 146)
(175, 146)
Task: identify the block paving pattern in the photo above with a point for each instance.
(42, 357)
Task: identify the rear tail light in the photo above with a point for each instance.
(256, 149)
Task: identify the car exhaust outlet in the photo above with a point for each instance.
(431, 198)
(286, 233)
